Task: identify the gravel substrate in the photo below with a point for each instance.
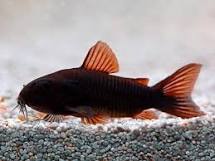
(125, 139)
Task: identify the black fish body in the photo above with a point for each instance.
(116, 96)
(90, 92)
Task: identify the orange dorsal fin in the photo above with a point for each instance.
(143, 81)
(101, 58)
(97, 119)
(146, 115)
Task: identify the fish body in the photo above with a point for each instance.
(93, 94)
(112, 95)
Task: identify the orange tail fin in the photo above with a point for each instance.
(179, 86)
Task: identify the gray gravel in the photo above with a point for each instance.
(126, 139)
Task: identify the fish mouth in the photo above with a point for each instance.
(21, 105)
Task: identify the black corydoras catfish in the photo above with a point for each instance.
(91, 93)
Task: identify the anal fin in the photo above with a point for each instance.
(146, 115)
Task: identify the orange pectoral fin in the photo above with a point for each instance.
(97, 119)
(53, 118)
(101, 58)
(146, 115)
(49, 117)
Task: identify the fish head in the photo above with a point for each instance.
(37, 94)
(49, 95)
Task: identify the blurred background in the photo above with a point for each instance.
(150, 38)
